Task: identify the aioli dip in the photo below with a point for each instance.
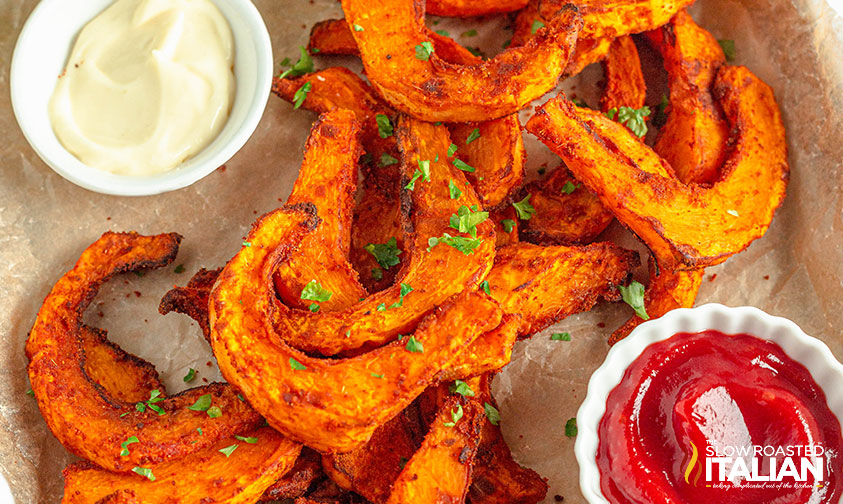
(149, 84)
(710, 418)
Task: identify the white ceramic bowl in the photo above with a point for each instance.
(40, 55)
(808, 351)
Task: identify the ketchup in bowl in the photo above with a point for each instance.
(710, 418)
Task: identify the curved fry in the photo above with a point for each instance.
(429, 88)
(615, 18)
(471, 8)
(238, 478)
(80, 413)
(686, 227)
(625, 86)
(317, 401)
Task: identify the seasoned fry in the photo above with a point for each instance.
(490, 352)
(615, 18)
(686, 227)
(563, 217)
(296, 482)
(429, 88)
(240, 477)
(546, 284)
(625, 86)
(440, 470)
(693, 140)
(434, 275)
(327, 179)
(471, 8)
(332, 405)
(497, 155)
(82, 415)
(192, 299)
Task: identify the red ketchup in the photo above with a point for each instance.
(710, 418)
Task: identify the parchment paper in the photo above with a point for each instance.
(45, 222)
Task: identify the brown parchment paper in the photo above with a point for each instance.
(45, 222)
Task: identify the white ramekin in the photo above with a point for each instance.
(40, 55)
(808, 351)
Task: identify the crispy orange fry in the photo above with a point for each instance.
(82, 415)
(328, 179)
(318, 401)
(296, 482)
(203, 476)
(470, 8)
(546, 284)
(403, 66)
(192, 299)
(615, 18)
(566, 212)
(693, 140)
(625, 86)
(686, 227)
(434, 275)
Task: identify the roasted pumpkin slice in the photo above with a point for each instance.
(693, 140)
(546, 284)
(331, 405)
(495, 151)
(625, 86)
(328, 179)
(615, 18)
(685, 226)
(230, 471)
(124, 376)
(497, 478)
(440, 470)
(471, 8)
(192, 299)
(490, 352)
(438, 260)
(82, 415)
(401, 62)
(566, 213)
(666, 290)
(296, 482)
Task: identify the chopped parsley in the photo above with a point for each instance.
(455, 416)
(506, 43)
(303, 66)
(357, 27)
(474, 135)
(536, 25)
(460, 387)
(145, 472)
(444, 33)
(125, 445)
(492, 414)
(405, 289)
(214, 412)
(386, 254)
(313, 291)
(191, 374)
(228, 450)
(301, 94)
(661, 112)
(384, 126)
(454, 190)
(179, 269)
(564, 336)
(414, 345)
(485, 286)
(387, 160)
(462, 165)
(571, 427)
(30, 392)
(424, 50)
(634, 297)
(154, 397)
(381, 307)
(461, 243)
(375, 375)
(469, 33)
(508, 225)
(475, 51)
(296, 365)
(579, 103)
(423, 172)
(569, 187)
(452, 149)
(632, 118)
(201, 404)
(466, 220)
(313, 307)
(728, 47)
(524, 209)
(733, 213)
(377, 273)
(250, 440)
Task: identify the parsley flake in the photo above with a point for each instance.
(469, 33)
(387, 160)
(191, 374)
(728, 47)
(460, 387)
(508, 225)
(466, 221)
(357, 27)
(475, 51)
(632, 118)
(565, 336)
(474, 135)
(733, 213)
(179, 269)
(385, 128)
(444, 33)
(455, 416)
(377, 273)
(571, 427)
(492, 413)
(125, 445)
(301, 94)
(154, 397)
(461, 243)
(454, 190)
(313, 291)
(424, 50)
(228, 450)
(250, 440)
(524, 209)
(462, 165)
(452, 149)
(30, 393)
(569, 187)
(296, 365)
(313, 307)
(414, 345)
(375, 375)
(536, 25)
(386, 254)
(661, 112)
(485, 286)
(405, 289)
(634, 297)
(303, 66)
(579, 103)
(201, 404)
(145, 472)
(214, 412)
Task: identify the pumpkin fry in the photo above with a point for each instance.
(686, 227)
(625, 86)
(80, 413)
